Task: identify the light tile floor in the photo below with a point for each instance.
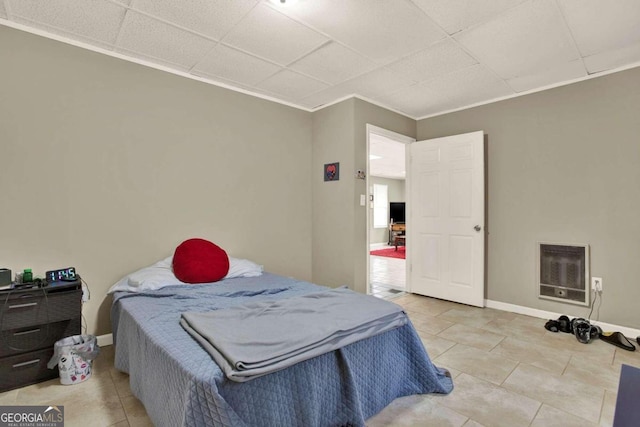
(387, 276)
(103, 400)
(507, 370)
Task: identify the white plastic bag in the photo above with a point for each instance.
(74, 356)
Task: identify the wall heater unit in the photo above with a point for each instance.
(563, 273)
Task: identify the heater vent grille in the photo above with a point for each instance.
(563, 272)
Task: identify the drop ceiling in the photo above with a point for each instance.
(386, 157)
(419, 57)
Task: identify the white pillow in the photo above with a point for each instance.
(160, 274)
(243, 268)
(150, 278)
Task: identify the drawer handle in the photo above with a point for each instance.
(30, 362)
(30, 304)
(26, 332)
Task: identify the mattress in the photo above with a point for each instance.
(180, 384)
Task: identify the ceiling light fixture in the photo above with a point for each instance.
(374, 157)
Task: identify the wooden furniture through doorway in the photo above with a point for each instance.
(397, 234)
(400, 240)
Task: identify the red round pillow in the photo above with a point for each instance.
(200, 261)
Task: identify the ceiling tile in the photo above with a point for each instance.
(327, 96)
(565, 72)
(456, 15)
(91, 19)
(274, 36)
(610, 60)
(380, 82)
(597, 25)
(211, 18)
(440, 58)
(523, 41)
(371, 85)
(392, 161)
(333, 63)
(409, 100)
(231, 64)
(470, 85)
(463, 87)
(291, 85)
(148, 36)
(381, 30)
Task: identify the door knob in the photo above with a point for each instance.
(477, 228)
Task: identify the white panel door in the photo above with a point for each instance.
(445, 227)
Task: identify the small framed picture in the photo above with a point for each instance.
(332, 171)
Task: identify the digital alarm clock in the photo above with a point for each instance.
(62, 275)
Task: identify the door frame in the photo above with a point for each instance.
(398, 137)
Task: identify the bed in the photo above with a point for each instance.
(180, 384)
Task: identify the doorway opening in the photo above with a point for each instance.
(386, 219)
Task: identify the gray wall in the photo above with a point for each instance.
(333, 207)
(108, 165)
(395, 193)
(339, 222)
(563, 166)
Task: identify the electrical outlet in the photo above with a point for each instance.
(596, 284)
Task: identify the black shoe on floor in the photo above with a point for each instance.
(552, 325)
(582, 330)
(617, 339)
(564, 324)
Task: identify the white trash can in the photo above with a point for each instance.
(74, 356)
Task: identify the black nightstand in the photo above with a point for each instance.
(31, 321)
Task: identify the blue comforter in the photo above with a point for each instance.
(180, 384)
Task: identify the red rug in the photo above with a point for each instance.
(390, 253)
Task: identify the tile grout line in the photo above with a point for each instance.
(124, 411)
(536, 414)
(604, 397)
(510, 373)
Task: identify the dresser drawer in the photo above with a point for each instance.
(37, 337)
(28, 368)
(36, 308)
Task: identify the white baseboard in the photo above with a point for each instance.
(105, 340)
(630, 333)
